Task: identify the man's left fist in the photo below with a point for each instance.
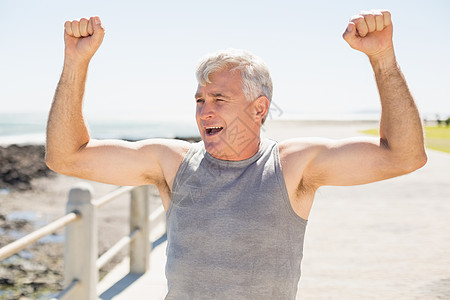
(370, 32)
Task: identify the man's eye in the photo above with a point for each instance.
(200, 100)
(219, 100)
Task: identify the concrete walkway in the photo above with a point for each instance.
(386, 240)
(120, 285)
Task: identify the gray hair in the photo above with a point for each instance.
(255, 75)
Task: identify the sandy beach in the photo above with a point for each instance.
(387, 240)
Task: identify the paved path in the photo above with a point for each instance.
(150, 286)
(386, 240)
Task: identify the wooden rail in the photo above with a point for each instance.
(81, 261)
(27, 240)
(114, 250)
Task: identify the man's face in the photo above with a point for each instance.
(225, 118)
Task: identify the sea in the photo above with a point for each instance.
(29, 128)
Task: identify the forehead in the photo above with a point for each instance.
(222, 82)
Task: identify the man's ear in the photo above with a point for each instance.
(261, 108)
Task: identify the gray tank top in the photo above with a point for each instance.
(231, 230)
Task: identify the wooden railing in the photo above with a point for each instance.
(81, 261)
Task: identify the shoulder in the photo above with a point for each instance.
(167, 153)
(302, 148)
(164, 147)
(297, 158)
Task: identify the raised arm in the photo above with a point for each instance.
(71, 151)
(400, 126)
(400, 148)
(66, 129)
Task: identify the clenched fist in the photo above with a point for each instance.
(82, 39)
(371, 33)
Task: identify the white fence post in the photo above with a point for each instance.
(139, 215)
(81, 245)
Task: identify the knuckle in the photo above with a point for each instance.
(377, 13)
(360, 22)
(366, 14)
(83, 27)
(76, 28)
(68, 27)
(357, 19)
(386, 15)
(369, 16)
(90, 29)
(385, 12)
(379, 19)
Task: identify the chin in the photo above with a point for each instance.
(216, 149)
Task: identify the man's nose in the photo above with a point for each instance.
(206, 111)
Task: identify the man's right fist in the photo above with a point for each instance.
(82, 39)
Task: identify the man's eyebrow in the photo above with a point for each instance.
(218, 95)
(214, 95)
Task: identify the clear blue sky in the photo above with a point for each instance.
(145, 66)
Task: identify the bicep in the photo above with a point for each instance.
(350, 162)
(118, 162)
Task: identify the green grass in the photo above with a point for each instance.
(437, 138)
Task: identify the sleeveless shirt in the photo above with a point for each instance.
(231, 230)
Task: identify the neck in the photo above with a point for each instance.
(249, 149)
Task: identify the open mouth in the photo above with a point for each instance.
(213, 130)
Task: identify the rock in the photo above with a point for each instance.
(21, 164)
(29, 267)
(6, 281)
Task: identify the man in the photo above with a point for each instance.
(237, 205)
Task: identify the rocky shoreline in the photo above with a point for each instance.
(33, 273)
(19, 165)
(31, 196)
(36, 271)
